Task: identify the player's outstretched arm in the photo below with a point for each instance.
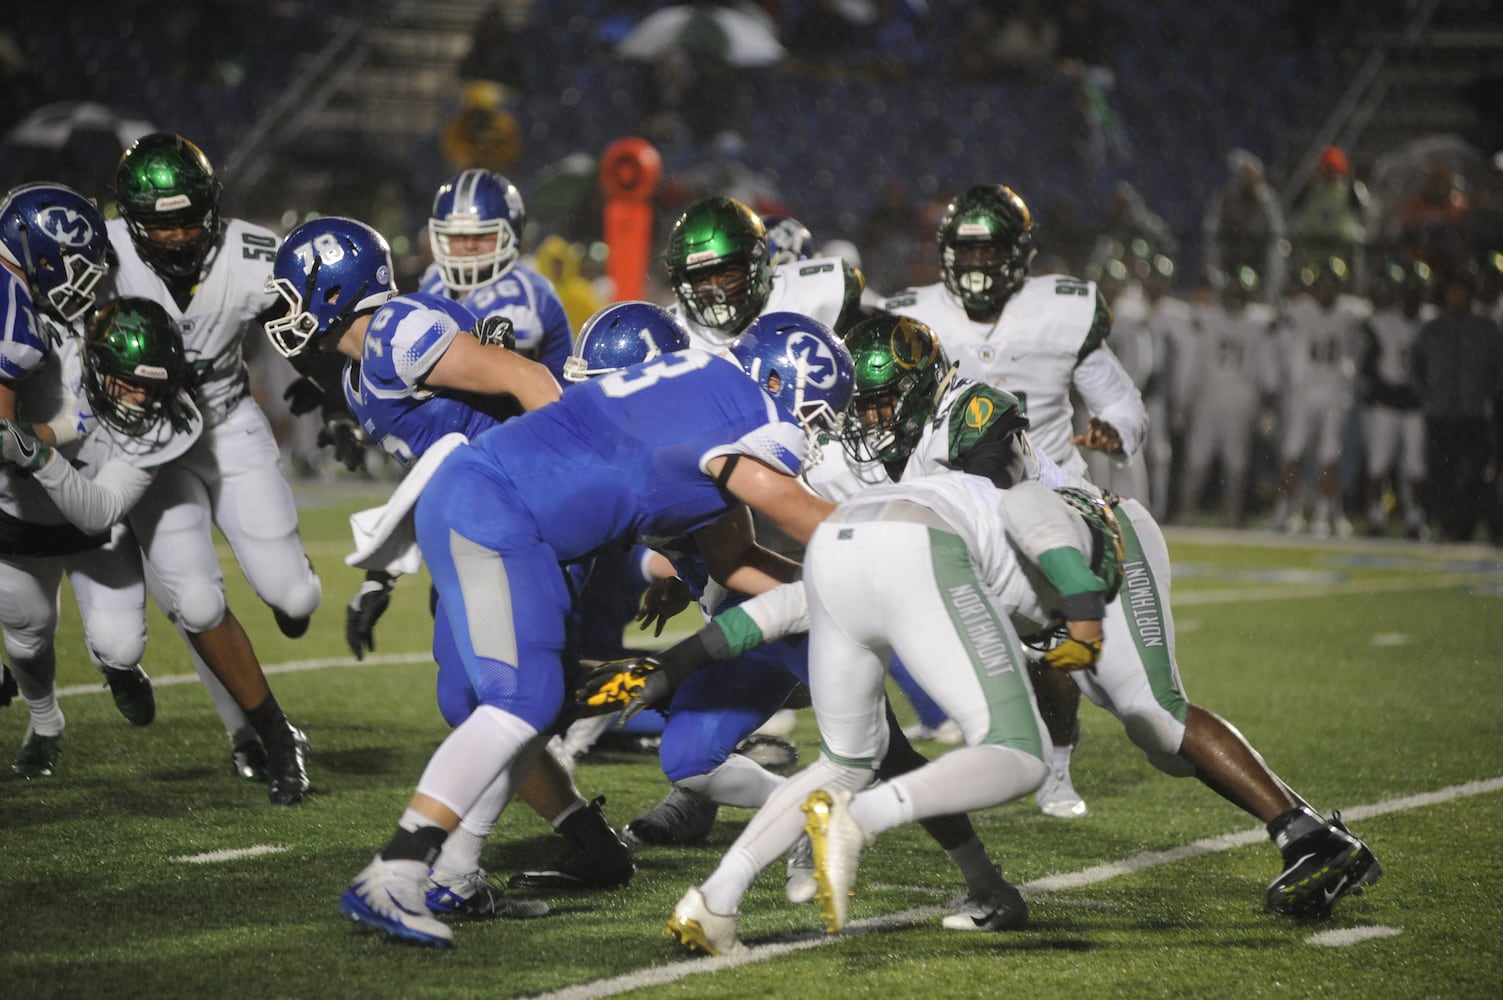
(783, 499)
(470, 366)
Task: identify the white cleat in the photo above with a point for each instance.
(696, 928)
(838, 841)
(800, 885)
(1000, 909)
(1057, 796)
(389, 896)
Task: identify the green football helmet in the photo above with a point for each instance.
(900, 375)
(135, 370)
(985, 247)
(163, 181)
(718, 264)
(1107, 553)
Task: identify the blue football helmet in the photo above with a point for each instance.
(804, 367)
(56, 237)
(476, 203)
(621, 335)
(328, 271)
(788, 239)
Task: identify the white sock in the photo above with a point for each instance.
(36, 677)
(1059, 758)
(961, 781)
(772, 832)
(740, 781)
(480, 752)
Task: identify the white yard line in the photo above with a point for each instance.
(1346, 936)
(233, 854)
(693, 966)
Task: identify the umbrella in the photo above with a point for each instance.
(730, 34)
(53, 126)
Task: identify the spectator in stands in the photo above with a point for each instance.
(890, 238)
(1458, 371)
(494, 54)
(1244, 226)
(1433, 222)
(1330, 213)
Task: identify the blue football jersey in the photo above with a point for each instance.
(405, 339)
(622, 457)
(526, 298)
(23, 338)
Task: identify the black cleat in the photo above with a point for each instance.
(682, 818)
(1320, 868)
(131, 689)
(39, 756)
(597, 857)
(287, 769)
(772, 752)
(248, 760)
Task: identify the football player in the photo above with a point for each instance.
(53, 254)
(209, 273)
(418, 369)
(1233, 364)
(1393, 423)
(909, 416)
(720, 266)
(136, 378)
(475, 231)
(684, 444)
(1039, 339)
(1319, 334)
(943, 572)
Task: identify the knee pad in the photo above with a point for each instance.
(300, 599)
(30, 642)
(116, 639)
(200, 606)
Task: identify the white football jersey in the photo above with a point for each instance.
(1320, 345)
(1233, 351)
(1394, 335)
(230, 294)
(815, 288)
(1050, 328)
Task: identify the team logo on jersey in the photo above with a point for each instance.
(65, 226)
(978, 412)
(816, 359)
(986, 353)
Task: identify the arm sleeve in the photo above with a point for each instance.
(1109, 393)
(1047, 534)
(93, 505)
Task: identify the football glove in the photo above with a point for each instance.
(628, 686)
(344, 435)
(1074, 654)
(660, 602)
(496, 330)
(303, 395)
(21, 449)
(364, 610)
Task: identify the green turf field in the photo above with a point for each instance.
(1366, 674)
